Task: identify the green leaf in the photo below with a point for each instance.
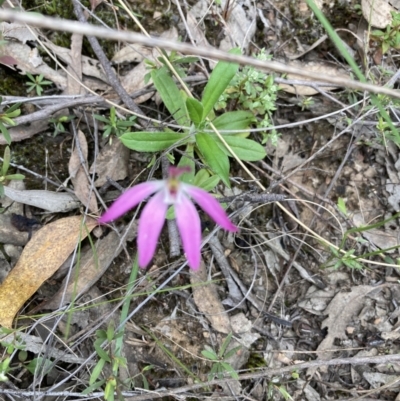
(1, 190)
(225, 345)
(93, 387)
(5, 133)
(13, 108)
(96, 371)
(187, 160)
(233, 120)
(228, 368)
(14, 177)
(245, 149)
(210, 183)
(232, 352)
(171, 95)
(195, 110)
(101, 353)
(342, 206)
(6, 161)
(151, 141)
(218, 82)
(209, 355)
(214, 157)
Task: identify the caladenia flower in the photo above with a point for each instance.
(169, 192)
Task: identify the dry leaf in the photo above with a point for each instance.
(112, 162)
(90, 268)
(55, 202)
(377, 12)
(131, 53)
(75, 68)
(206, 298)
(78, 174)
(317, 68)
(134, 80)
(30, 61)
(343, 307)
(42, 256)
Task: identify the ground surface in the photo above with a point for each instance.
(308, 287)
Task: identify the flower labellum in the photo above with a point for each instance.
(169, 192)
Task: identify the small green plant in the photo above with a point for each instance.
(59, 122)
(36, 83)
(114, 125)
(197, 119)
(111, 383)
(4, 177)
(254, 90)
(390, 38)
(220, 366)
(348, 259)
(273, 387)
(6, 119)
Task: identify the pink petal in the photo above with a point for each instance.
(211, 206)
(150, 225)
(129, 199)
(188, 222)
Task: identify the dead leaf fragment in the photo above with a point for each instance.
(316, 67)
(78, 174)
(112, 162)
(377, 12)
(40, 259)
(207, 300)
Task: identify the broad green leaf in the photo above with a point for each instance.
(6, 161)
(5, 133)
(171, 95)
(210, 183)
(218, 82)
(195, 110)
(201, 176)
(151, 141)
(245, 149)
(234, 120)
(214, 157)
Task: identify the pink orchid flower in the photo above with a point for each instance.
(169, 192)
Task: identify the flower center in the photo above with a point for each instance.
(173, 190)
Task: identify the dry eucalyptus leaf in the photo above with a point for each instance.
(113, 162)
(343, 307)
(89, 270)
(30, 61)
(377, 12)
(131, 53)
(134, 80)
(17, 31)
(40, 259)
(206, 298)
(55, 202)
(79, 178)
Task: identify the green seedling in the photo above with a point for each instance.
(195, 118)
(59, 122)
(36, 83)
(390, 38)
(255, 91)
(114, 125)
(6, 119)
(219, 365)
(4, 177)
(97, 378)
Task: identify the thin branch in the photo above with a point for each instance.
(57, 24)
